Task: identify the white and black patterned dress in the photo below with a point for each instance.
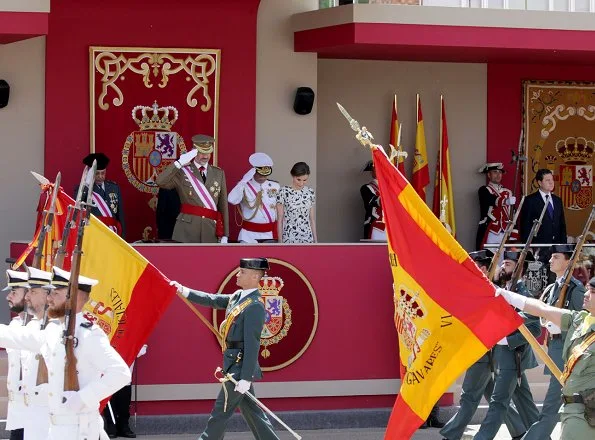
(296, 214)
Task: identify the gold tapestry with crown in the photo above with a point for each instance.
(145, 106)
(559, 126)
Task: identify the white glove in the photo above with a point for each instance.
(182, 290)
(187, 157)
(223, 240)
(511, 200)
(552, 328)
(502, 341)
(514, 299)
(143, 351)
(73, 401)
(249, 175)
(242, 386)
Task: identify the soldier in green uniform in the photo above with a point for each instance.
(513, 355)
(578, 353)
(575, 294)
(240, 331)
(202, 189)
(107, 197)
(479, 382)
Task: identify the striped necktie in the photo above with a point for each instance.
(550, 207)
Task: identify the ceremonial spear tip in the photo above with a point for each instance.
(41, 179)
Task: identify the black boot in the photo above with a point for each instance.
(125, 431)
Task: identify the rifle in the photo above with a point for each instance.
(518, 270)
(517, 158)
(561, 302)
(47, 226)
(71, 382)
(509, 228)
(70, 223)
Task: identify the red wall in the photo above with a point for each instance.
(505, 103)
(74, 25)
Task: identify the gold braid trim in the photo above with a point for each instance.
(255, 206)
(230, 319)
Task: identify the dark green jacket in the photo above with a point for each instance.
(246, 329)
(504, 355)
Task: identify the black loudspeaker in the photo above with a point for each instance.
(4, 93)
(304, 100)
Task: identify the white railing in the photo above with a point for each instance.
(534, 5)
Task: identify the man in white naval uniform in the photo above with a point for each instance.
(37, 412)
(74, 415)
(256, 198)
(17, 287)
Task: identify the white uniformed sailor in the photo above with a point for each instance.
(256, 198)
(74, 415)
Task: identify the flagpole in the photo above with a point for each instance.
(540, 352)
(441, 174)
(203, 319)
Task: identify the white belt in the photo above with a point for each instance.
(71, 419)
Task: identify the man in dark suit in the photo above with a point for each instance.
(240, 331)
(553, 226)
(107, 197)
(374, 227)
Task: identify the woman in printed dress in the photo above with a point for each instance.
(295, 208)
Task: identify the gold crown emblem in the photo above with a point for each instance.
(575, 150)
(270, 285)
(550, 159)
(409, 307)
(158, 120)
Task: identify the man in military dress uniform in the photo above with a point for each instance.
(495, 205)
(374, 227)
(107, 198)
(578, 354)
(513, 355)
(17, 287)
(256, 198)
(74, 415)
(575, 295)
(203, 214)
(37, 414)
(479, 382)
(240, 331)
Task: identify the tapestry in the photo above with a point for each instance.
(559, 128)
(146, 104)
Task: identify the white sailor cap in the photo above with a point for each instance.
(39, 278)
(61, 278)
(492, 166)
(16, 279)
(262, 162)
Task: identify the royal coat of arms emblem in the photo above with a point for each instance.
(409, 315)
(278, 313)
(576, 175)
(150, 150)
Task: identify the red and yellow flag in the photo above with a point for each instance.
(131, 295)
(443, 203)
(53, 237)
(394, 136)
(420, 177)
(446, 313)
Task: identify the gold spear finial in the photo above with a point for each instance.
(363, 135)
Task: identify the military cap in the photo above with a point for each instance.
(102, 160)
(482, 255)
(492, 166)
(254, 263)
(39, 278)
(592, 282)
(515, 255)
(16, 279)
(61, 278)
(369, 166)
(203, 143)
(262, 162)
(562, 249)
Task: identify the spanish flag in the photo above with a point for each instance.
(54, 236)
(420, 177)
(443, 203)
(395, 135)
(131, 295)
(446, 313)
